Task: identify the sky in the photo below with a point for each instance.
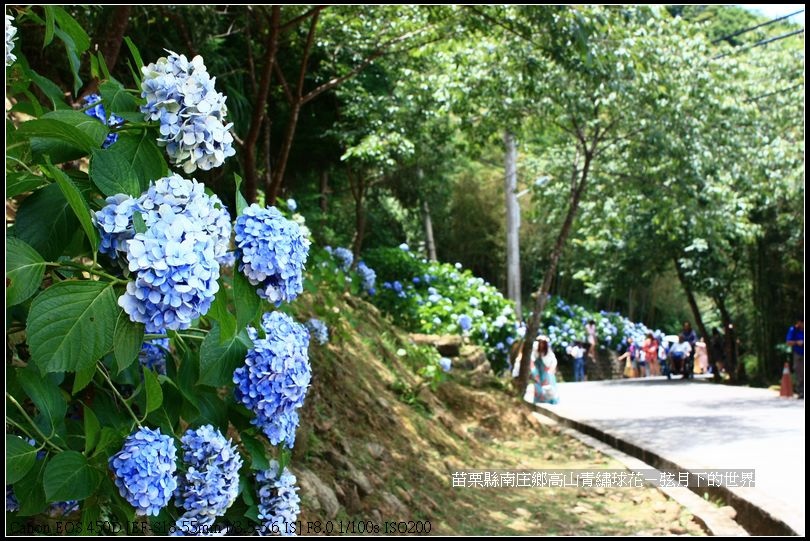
(777, 10)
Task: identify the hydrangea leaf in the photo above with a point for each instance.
(217, 360)
(24, 271)
(68, 476)
(20, 458)
(71, 325)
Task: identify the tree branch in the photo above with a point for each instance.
(284, 85)
(295, 20)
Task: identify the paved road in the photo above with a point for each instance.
(699, 425)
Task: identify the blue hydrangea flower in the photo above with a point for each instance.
(345, 258)
(279, 504)
(292, 206)
(318, 330)
(98, 112)
(12, 505)
(274, 380)
(437, 320)
(10, 32)
(144, 470)
(446, 364)
(153, 354)
(176, 260)
(404, 247)
(367, 277)
(228, 260)
(273, 253)
(210, 484)
(180, 94)
(464, 322)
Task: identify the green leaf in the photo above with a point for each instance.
(241, 204)
(20, 458)
(24, 271)
(29, 491)
(108, 440)
(154, 394)
(58, 140)
(219, 313)
(127, 342)
(71, 325)
(246, 300)
(116, 98)
(127, 166)
(68, 476)
(92, 430)
(49, 18)
(45, 395)
(46, 222)
(104, 69)
(48, 87)
(73, 29)
(257, 452)
(72, 56)
(77, 203)
(136, 55)
(22, 181)
(89, 125)
(82, 378)
(218, 361)
(137, 222)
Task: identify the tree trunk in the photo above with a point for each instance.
(284, 155)
(690, 298)
(259, 110)
(736, 369)
(512, 222)
(268, 158)
(115, 28)
(540, 297)
(429, 241)
(358, 188)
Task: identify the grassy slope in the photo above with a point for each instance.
(364, 393)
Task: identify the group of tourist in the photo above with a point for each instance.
(684, 355)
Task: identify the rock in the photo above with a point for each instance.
(579, 510)
(375, 450)
(677, 529)
(548, 456)
(312, 485)
(337, 460)
(659, 507)
(361, 481)
(399, 509)
(729, 511)
(447, 345)
(376, 516)
(403, 495)
(523, 513)
(471, 357)
(600, 491)
(637, 499)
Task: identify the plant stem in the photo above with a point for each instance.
(85, 268)
(45, 438)
(117, 394)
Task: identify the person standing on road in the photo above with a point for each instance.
(627, 360)
(701, 357)
(544, 371)
(795, 339)
(576, 351)
(590, 330)
(689, 336)
(649, 352)
(717, 353)
(679, 353)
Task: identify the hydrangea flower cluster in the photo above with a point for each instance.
(446, 364)
(181, 96)
(367, 278)
(10, 32)
(273, 253)
(60, 509)
(210, 484)
(464, 322)
(97, 111)
(153, 354)
(176, 259)
(144, 470)
(292, 205)
(345, 258)
(279, 504)
(274, 380)
(12, 505)
(318, 330)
